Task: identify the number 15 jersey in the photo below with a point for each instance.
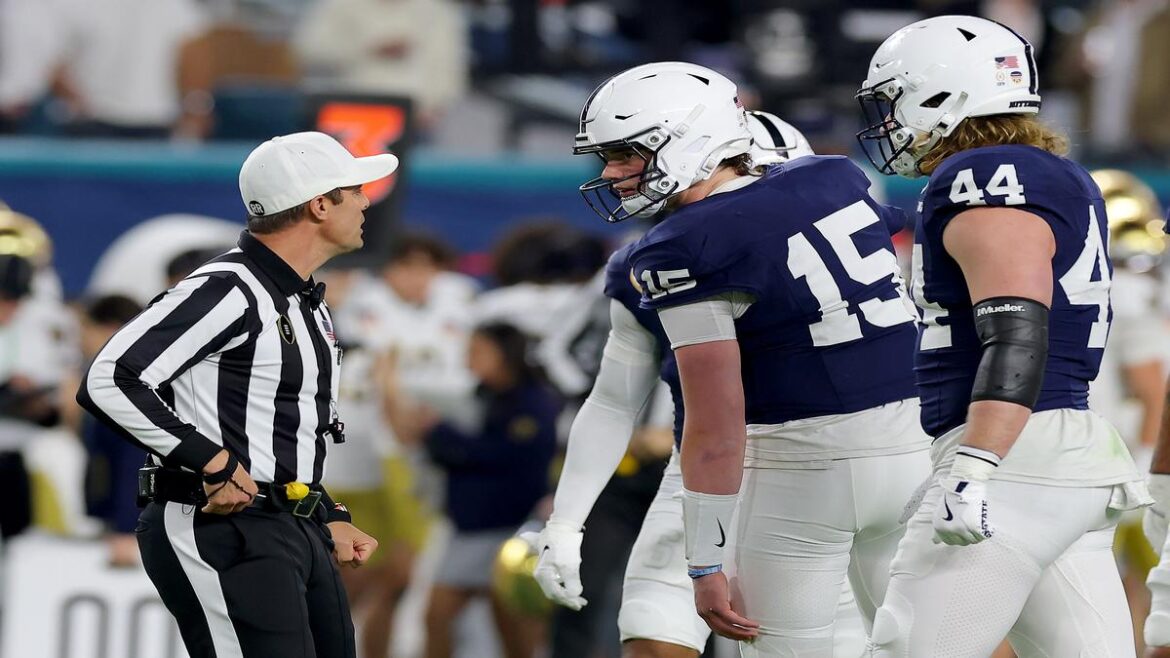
(1061, 193)
(829, 330)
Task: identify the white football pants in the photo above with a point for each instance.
(1046, 580)
(802, 531)
(658, 602)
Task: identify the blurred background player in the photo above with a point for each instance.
(1130, 387)
(496, 474)
(111, 474)
(405, 341)
(1157, 626)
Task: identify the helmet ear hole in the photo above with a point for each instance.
(936, 100)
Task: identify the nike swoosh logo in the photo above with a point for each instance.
(722, 536)
(949, 516)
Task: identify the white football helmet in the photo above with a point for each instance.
(774, 140)
(930, 75)
(684, 119)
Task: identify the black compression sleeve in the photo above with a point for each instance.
(1014, 334)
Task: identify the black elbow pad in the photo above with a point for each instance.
(1014, 334)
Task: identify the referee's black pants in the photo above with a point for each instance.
(256, 584)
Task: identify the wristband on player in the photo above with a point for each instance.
(974, 464)
(699, 572)
(222, 476)
(706, 521)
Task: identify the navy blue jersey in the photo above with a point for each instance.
(619, 286)
(830, 330)
(1062, 193)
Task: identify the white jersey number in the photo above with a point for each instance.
(934, 335)
(665, 282)
(1004, 182)
(838, 324)
(1078, 282)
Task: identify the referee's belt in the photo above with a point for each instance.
(158, 484)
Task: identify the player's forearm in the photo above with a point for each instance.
(1146, 381)
(714, 431)
(1161, 461)
(712, 462)
(994, 425)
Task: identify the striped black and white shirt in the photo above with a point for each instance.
(241, 355)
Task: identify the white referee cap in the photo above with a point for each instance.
(289, 170)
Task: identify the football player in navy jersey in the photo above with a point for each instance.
(779, 293)
(1011, 275)
(657, 618)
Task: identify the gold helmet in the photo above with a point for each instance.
(1136, 224)
(512, 580)
(21, 235)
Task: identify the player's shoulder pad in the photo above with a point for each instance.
(991, 157)
(993, 169)
(824, 165)
(1008, 175)
(704, 249)
(618, 276)
(894, 218)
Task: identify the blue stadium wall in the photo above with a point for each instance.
(88, 193)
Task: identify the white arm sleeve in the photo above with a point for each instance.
(601, 431)
(705, 321)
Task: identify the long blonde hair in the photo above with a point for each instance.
(996, 130)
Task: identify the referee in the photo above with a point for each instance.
(230, 379)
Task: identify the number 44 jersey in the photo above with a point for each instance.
(1061, 193)
(829, 329)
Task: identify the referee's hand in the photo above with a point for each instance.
(232, 496)
(351, 547)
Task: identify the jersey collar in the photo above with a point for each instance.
(737, 183)
(281, 273)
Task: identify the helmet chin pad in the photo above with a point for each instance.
(653, 189)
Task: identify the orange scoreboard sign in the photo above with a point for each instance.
(368, 125)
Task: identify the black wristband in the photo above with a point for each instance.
(221, 477)
(338, 512)
(334, 511)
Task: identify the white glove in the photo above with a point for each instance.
(961, 518)
(1157, 515)
(1158, 623)
(558, 571)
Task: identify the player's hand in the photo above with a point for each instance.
(1157, 515)
(1157, 633)
(558, 570)
(351, 546)
(232, 496)
(714, 605)
(961, 516)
